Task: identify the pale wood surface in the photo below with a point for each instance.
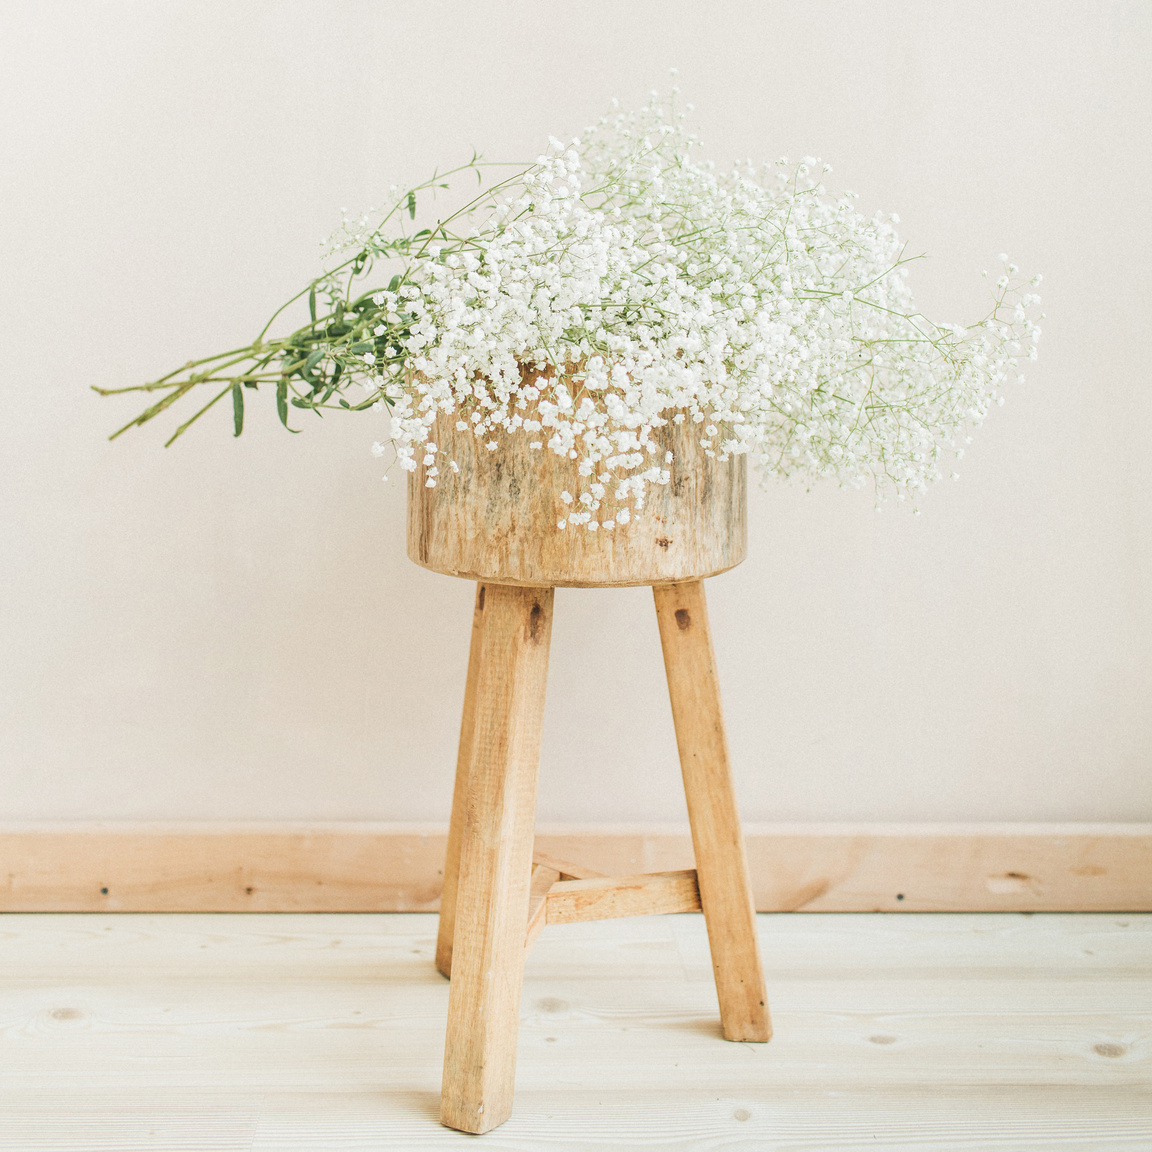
(379, 867)
(543, 878)
(717, 838)
(295, 1033)
(496, 840)
(496, 519)
(604, 898)
(459, 795)
(567, 869)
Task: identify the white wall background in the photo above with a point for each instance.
(229, 629)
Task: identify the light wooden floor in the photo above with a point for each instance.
(325, 1032)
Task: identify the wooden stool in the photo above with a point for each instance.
(485, 523)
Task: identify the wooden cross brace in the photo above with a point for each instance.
(562, 893)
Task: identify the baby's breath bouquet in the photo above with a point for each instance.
(620, 283)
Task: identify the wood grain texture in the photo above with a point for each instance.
(381, 867)
(543, 878)
(496, 857)
(609, 897)
(911, 1118)
(567, 869)
(717, 838)
(496, 520)
(459, 795)
(298, 1033)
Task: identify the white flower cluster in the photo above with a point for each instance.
(622, 284)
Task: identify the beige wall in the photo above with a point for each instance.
(230, 629)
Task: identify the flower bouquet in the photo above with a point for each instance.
(617, 302)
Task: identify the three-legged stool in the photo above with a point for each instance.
(492, 518)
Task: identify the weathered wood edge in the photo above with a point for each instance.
(561, 583)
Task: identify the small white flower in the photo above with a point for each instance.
(587, 325)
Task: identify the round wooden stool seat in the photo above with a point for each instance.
(496, 519)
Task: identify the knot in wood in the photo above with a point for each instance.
(535, 621)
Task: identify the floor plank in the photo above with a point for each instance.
(294, 1032)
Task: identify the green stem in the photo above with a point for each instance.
(188, 423)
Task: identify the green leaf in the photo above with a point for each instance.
(373, 399)
(282, 402)
(237, 408)
(314, 358)
(312, 303)
(412, 205)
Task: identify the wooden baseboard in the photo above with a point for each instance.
(357, 867)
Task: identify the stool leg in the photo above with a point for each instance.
(721, 865)
(459, 797)
(495, 857)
